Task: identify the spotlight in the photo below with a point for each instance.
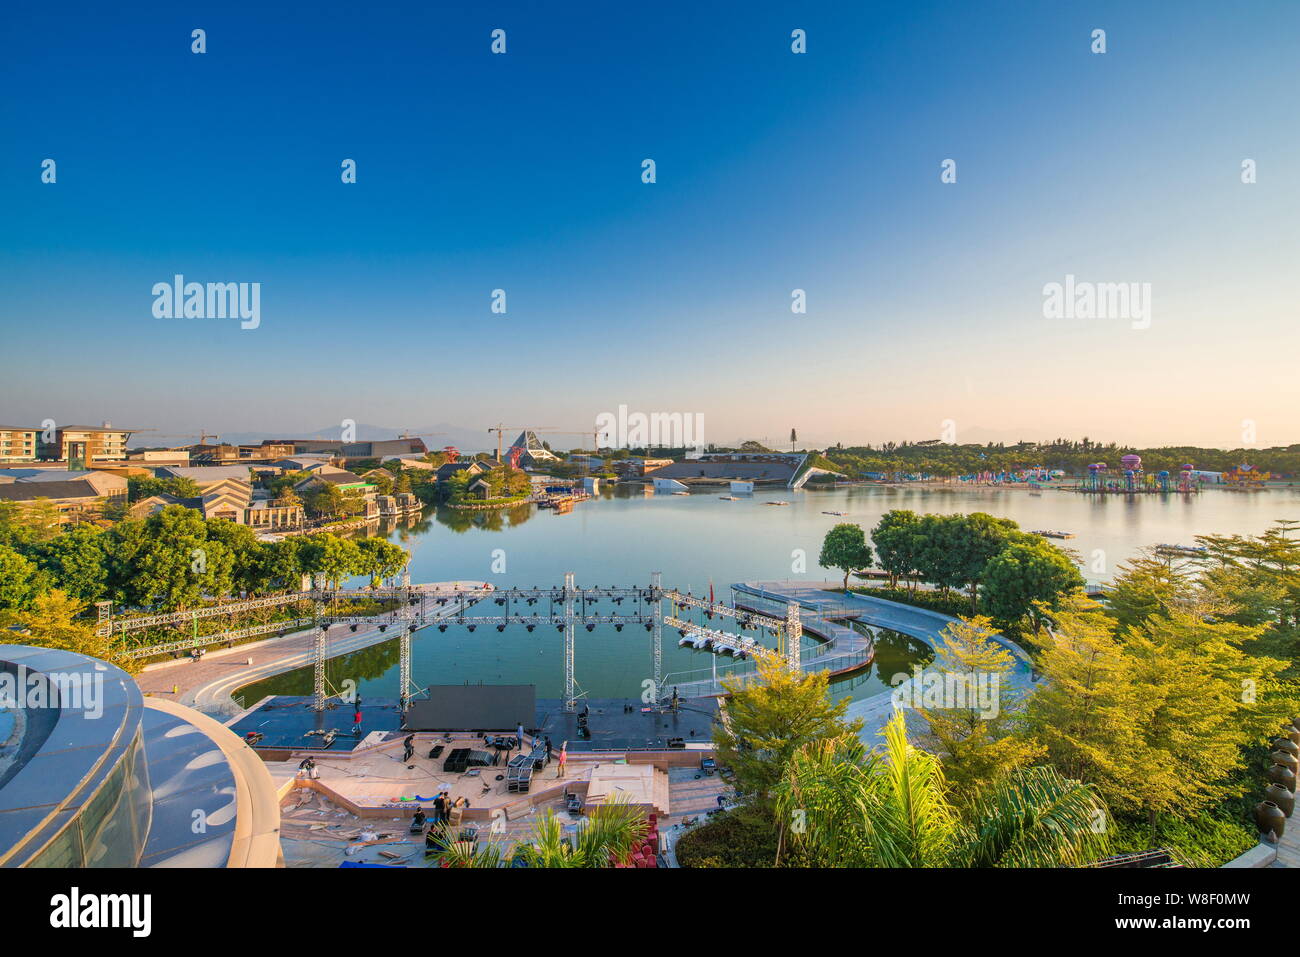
(591, 627)
(501, 627)
(382, 629)
(618, 627)
(559, 628)
(442, 627)
(352, 628)
(648, 626)
(530, 628)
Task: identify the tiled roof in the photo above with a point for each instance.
(27, 491)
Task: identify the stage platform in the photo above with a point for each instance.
(614, 729)
(287, 723)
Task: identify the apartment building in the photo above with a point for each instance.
(18, 444)
(83, 445)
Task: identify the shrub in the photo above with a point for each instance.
(743, 837)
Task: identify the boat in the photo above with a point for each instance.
(681, 493)
(1049, 533)
(728, 498)
(1184, 551)
(824, 512)
(776, 503)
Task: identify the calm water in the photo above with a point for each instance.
(621, 539)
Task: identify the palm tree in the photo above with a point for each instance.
(841, 806)
(610, 832)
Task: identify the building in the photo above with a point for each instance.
(300, 463)
(206, 476)
(226, 454)
(232, 500)
(411, 460)
(110, 485)
(82, 445)
(18, 444)
(76, 501)
(532, 452)
(633, 468)
(94, 774)
(341, 479)
(763, 468)
(78, 496)
(157, 457)
(385, 447)
(448, 469)
(400, 503)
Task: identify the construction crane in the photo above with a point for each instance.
(202, 437)
(500, 428)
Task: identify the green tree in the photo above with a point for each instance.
(1158, 714)
(1026, 579)
(174, 564)
(76, 561)
(20, 580)
(335, 558)
(766, 721)
(845, 547)
(840, 806)
(894, 538)
(54, 621)
(976, 731)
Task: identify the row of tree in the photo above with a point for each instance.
(1145, 726)
(1003, 569)
(175, 559)
(935, 458)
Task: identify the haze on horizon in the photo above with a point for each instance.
(775, 172)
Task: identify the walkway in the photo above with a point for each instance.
(920, 623)
(207, 684)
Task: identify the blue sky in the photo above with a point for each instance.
(775, 171)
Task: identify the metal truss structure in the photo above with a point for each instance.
(418, 607)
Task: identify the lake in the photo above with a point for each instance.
(620, 538)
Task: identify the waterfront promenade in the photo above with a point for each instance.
(827, 602)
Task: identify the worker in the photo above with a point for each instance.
(307, 768)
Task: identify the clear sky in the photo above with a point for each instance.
(775, 171)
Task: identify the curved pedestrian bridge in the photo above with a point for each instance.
(829, 607)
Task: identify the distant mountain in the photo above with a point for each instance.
(435, 436)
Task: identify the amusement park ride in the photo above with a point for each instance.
(1131, 478)
(421, 606)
